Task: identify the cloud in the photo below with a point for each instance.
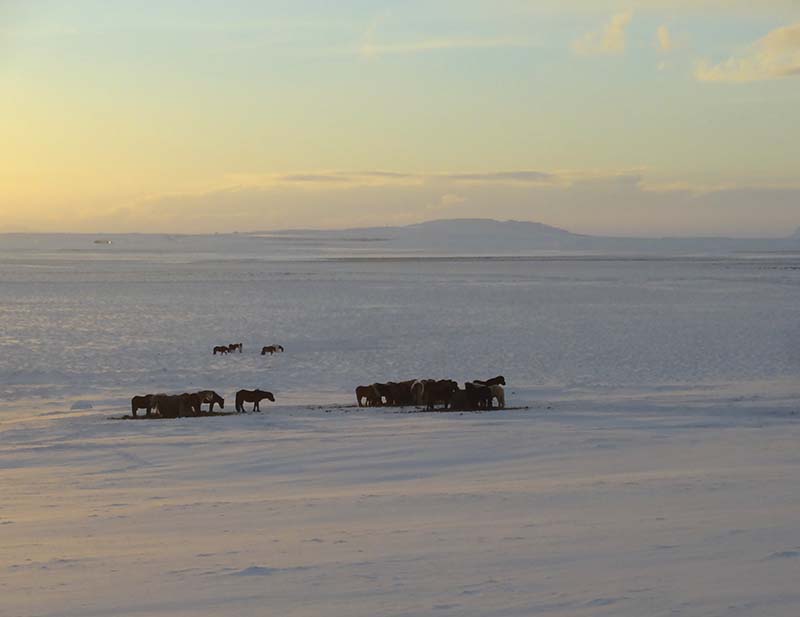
(608, 40)
(370, 47)
(374, 50)
(615, 202)
(664, 39)
(775, 56)
(450, 200)
(502, 176)
(330, 180)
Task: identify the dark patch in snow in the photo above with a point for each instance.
(794, 554)
(265, 571)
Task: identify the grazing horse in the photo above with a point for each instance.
(370, 394)
(142, 402)
(499, 394)
(271, 349)
(221, 349)
(384, 393)
(252, 396)
(440, 392)
(234, 346)
(210, 397)
(175, 405)
(478, 395)
(459, 400)
(494, 381)
(400, 392)
(418, 391)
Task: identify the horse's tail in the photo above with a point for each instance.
(238, 402)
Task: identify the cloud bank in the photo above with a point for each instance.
(608, 40)
(775, 56)
(622, 203)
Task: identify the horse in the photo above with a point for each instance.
(252, 396)
(418, 391)
(221, 349)
(370, 394)
(400, 392)
(234, 346)
(494, 381)
(384, 393)
(271, 349)
(499, 394)
(478, 395)
(459, 400)
(175, 405)
(210, 397)
(142, 402)
(440, 392)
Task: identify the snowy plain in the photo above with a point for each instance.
(653, 469)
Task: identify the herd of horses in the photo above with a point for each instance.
(477, 394)
(226, 349)
(191, 403)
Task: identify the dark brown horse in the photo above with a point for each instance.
(400, 392)
(210, 397)
(440, 392)
(384, 393)
(142, 402)
(221, 349)
(494, 381)
(176, 405)
(478, 395)
(370, 394)
(234, 346)
(271, 349)
(252, 396)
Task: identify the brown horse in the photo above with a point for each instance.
(252, 396)
(234, 346)
(400, 392)
(271, 349)
(175, 405)
(370, 394)
(221, 349)
(440, 392)
(142, 402)
(478, 395)
(210, 397)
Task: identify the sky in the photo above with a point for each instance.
(646, 117)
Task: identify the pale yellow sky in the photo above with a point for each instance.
(217, 116)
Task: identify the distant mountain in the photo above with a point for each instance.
(489, 236)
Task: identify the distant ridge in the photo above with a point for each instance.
(490, 236)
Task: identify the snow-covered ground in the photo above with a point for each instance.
(654, 471)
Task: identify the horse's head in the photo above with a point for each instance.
(220, 401)
(500, 380)
(269, 396)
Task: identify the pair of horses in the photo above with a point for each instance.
(476, 394)
(271, 349)
(226, 349)
(479, 394)
(176, 405)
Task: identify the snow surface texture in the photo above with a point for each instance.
(655, 472)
